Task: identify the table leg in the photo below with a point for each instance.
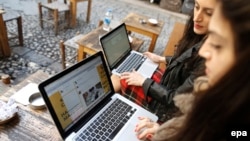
(20, 30)
(4, 44)
(89, 10)
(152, 44)
(73, 13)
(81, 54)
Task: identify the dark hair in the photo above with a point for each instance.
(224, 107)
(189, 39)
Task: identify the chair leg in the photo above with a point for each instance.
(56, 21)
(40, 14)
(62, 50)
(89, 10)
(20, 30)
(67, 17)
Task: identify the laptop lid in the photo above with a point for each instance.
(76, 94)
(116, 46)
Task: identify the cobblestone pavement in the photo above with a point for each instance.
(41, 46)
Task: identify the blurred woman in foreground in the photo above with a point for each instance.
(222, 108)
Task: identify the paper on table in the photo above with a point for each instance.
(22, 96)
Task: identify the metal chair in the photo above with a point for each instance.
(53, 8)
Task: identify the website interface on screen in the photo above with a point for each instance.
(73, 95)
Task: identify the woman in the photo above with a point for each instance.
(230, 94)
(181, 70)
(222, 109)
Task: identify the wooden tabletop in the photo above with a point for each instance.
(29, 124)
(134, 24)
(10, 15)
(89, 44)
(133, 19)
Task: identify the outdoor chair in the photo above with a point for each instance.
(67, 48)
(49, 13)
(173, 40)
(9, 16)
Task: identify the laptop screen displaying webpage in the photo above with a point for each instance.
(77, 91)
(116, 45)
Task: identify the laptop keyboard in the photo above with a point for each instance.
(135, 61)
(109, 123)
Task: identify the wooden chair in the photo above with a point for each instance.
(53, 8)
(67, 60)
(9, 16)
(174, 38)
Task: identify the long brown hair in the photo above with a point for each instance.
(189, 39)
(225, 106)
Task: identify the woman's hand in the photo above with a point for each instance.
(133, 78)
(155, 58)
(146, 128)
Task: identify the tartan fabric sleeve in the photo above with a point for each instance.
(136, 93)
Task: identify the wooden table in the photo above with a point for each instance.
(89, 44)
(4, 44)
(74, 11)
(29, 124)
(132, 22)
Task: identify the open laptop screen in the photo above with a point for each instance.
(73, 93)
(116, 45)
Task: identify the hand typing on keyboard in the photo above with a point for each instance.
(146, 128)
(133, 78)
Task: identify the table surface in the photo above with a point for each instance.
(29, 124)
(91, 39)
(133, 19)
(133, 23)
(91, 44)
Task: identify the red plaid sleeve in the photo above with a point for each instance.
(136, 94)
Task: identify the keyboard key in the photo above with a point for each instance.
(106, 125)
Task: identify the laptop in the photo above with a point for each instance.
(83, 104)
(120, 56)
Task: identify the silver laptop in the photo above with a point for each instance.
(84, 106)
(120, 56)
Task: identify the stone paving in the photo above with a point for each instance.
(41, 46)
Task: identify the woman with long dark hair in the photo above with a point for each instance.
(223, 108)
(157, 94)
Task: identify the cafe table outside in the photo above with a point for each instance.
(139, 23)
(29, 124)
(89, 44)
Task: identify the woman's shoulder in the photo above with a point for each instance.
(185, 101)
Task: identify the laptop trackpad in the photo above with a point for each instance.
(144, 69)
(130, 134)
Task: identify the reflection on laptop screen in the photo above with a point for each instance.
(116, 45)
(72, 96)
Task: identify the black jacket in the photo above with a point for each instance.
(176, 79)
